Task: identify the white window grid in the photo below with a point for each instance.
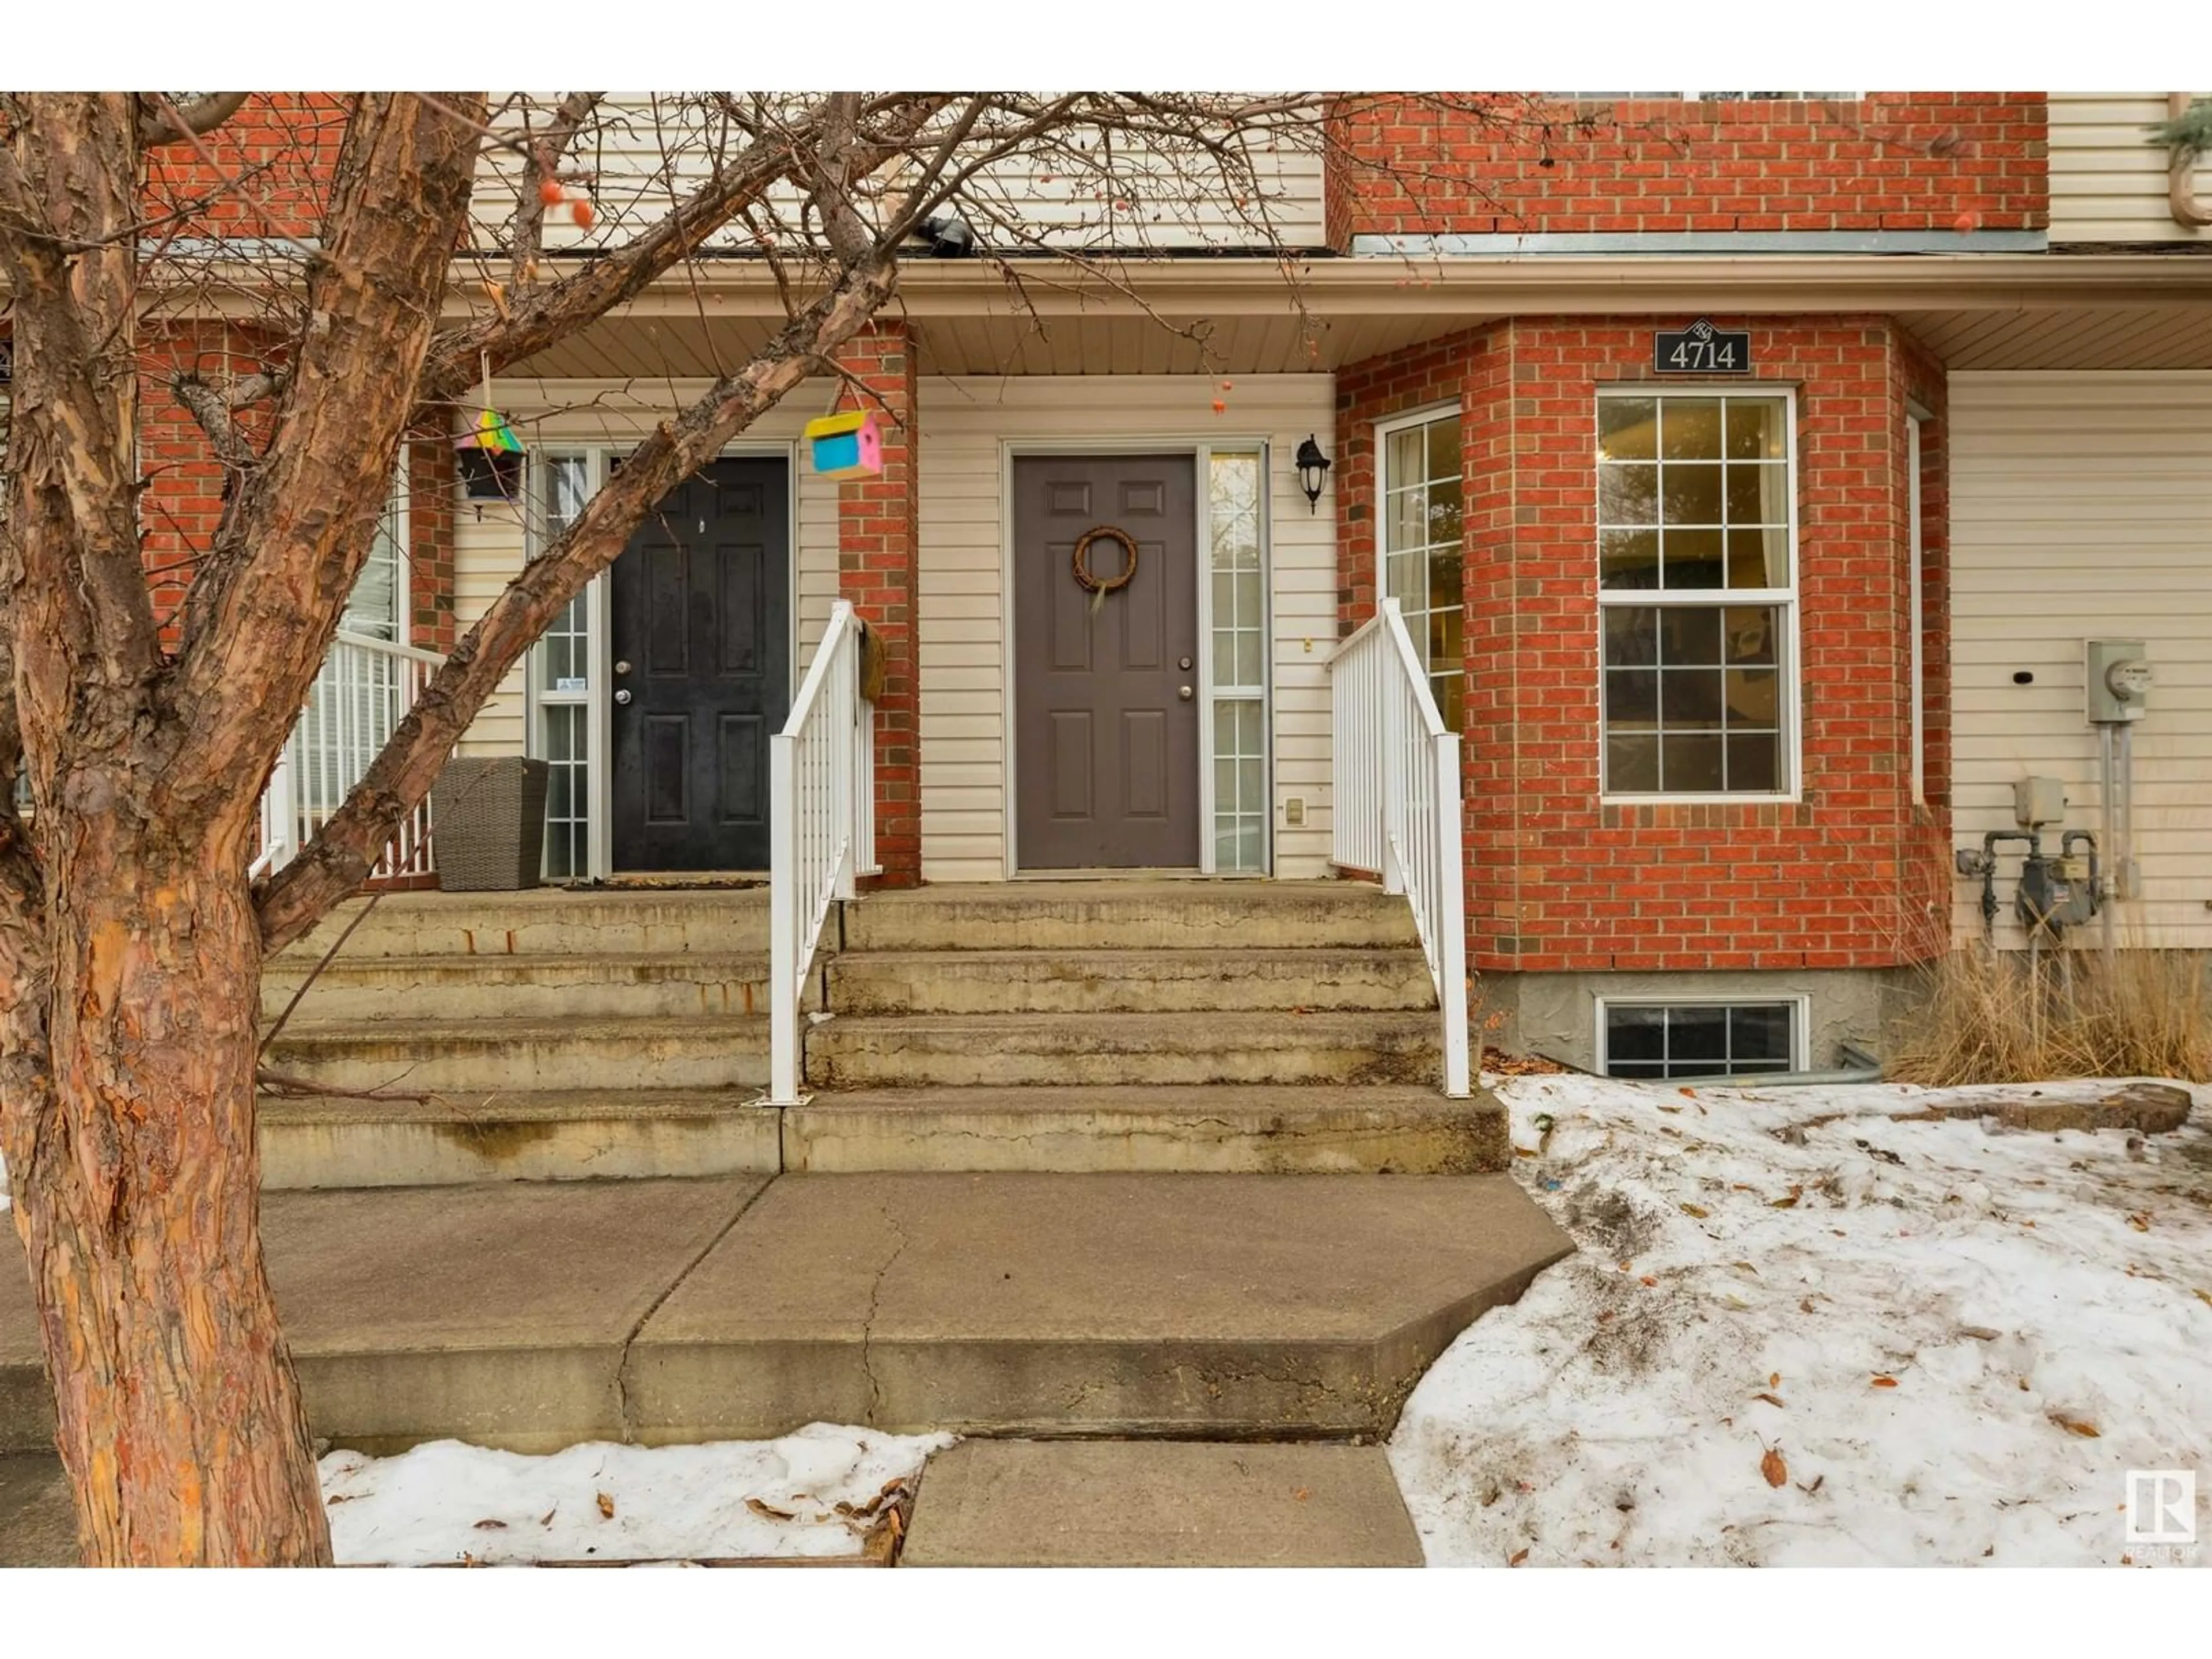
(1436, 502)
(1799, 1008)
(561, 677)
(1783, 599)
(1236, 482)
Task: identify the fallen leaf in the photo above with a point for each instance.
(1303, 1494)
(489, 1525)
(1692, 1093)
(546, 1519)
(2205, 1296)
(1980, 1332)
(340, 1498)
(1774, 1379)
(1806, 1305)
(1518, 1557)
(1742, 1187)
(606, 1506)
(2087, 1430)
(2140, 1222)
(1771, 1399)
(1790, 1202)
(1693, 1210)
(1648, 1280)
(1771, 1466)
(773, 1514)
(1885, 1382)
(1818, 1481)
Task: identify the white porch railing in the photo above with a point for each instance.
(1395, 804)
(362, 693)
(822, 792)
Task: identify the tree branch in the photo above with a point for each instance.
(526, 228)
(193, 120)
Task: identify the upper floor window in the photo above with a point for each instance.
(1697, 592)
(1423, 495)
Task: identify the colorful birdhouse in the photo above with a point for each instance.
(490, 459)
(846, 446)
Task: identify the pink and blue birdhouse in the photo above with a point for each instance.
(847, 446)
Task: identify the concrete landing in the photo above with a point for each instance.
(1126, 1503)
(1186, 1306)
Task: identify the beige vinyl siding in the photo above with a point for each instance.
(489, 549)
(2107, 178)
(2081, 508)
(965, 423)
(647, 151)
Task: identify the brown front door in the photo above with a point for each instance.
(1106, 696)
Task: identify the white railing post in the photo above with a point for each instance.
(783, 919)
(1451, 912)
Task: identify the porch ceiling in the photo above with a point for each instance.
(1977, 312)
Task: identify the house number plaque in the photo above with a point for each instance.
(1701, 348)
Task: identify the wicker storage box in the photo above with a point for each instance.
(488, 824)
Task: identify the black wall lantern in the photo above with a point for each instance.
(1313, 471)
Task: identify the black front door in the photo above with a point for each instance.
(701, 611)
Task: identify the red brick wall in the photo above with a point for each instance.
(1511, 163)
(1556, 881)
(265, 172)
(878, 535)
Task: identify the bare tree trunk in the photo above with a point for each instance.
(179, 1418)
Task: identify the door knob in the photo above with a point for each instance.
(623, 668)
(623, 697)
(1183, 663)
(1183, 691)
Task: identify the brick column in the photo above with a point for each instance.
(876, 542)
(431, 488)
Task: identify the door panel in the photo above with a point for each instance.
(1105, 743)
(700, 609)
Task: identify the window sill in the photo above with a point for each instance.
(1700, 800)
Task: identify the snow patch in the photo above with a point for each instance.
(1801, 1331)
(446, 1500)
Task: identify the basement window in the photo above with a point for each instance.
(1655, 1041)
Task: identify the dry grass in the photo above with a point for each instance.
(1991, 1018)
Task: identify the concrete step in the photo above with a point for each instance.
(1130, 916)
(552, 986)
(325, 1141)
(1159, 1503)
(1100, 981)
(497, 1056)
(1376, 1128)
(555, 921)
(1014, 1050)
(533, 1315)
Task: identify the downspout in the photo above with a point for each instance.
(2181, 174)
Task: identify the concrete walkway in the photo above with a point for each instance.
(535, 1315)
